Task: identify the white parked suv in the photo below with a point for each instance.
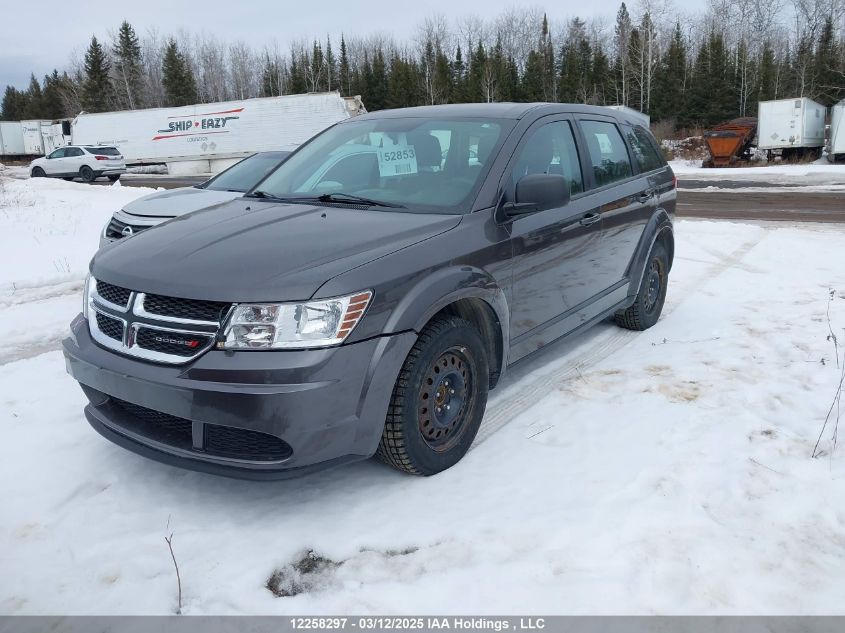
(87, 162)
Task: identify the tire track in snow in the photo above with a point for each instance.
(520, 392)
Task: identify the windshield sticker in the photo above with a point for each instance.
(397, 160)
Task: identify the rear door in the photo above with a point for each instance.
(622, 195)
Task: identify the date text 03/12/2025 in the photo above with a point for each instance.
(376, 623)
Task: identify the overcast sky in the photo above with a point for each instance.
(39, 36)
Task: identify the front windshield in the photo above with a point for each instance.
(244, 175)
(416, 164)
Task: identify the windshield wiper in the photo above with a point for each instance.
(263, 195)
(348, 197)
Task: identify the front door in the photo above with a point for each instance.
(54, 164)
(554, 251)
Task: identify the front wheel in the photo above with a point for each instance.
(438, 399)
(86, 173)
(38, 173)
(652, 294)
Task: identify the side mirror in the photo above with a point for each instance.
(538, 192)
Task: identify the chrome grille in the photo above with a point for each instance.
(178, 332)
(113, 328)
(115, 229)
(113, 294)
(188, 309)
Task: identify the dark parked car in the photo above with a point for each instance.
(368, 293)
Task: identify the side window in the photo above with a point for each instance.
(643, 149)
(73, 151)
(59, 153)
(551, 149)
(607, 152)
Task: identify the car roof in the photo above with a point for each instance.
(492, 110)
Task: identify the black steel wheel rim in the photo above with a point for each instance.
(654, 285)
(445, 399)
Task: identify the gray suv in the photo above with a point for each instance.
(364, 297)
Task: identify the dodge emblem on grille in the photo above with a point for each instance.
(176, 341)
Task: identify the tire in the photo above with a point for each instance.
(652, 294)
(87, 174)
(38, 173)
(114, 177)
(446, 367)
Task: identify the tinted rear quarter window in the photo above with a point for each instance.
(607, 150)
(103, 151)
(643, 149)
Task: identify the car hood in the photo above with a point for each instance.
(173, 202)
(249, 250)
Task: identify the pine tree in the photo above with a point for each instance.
(128, 67)
(180, 88)
(14, 104)
(600, 78)
(52, 106)
(297, 77)
(669, 98)
(332, 80)
(270, 77)
(97, 90)
(476, 84)
(767, 75)
(622, 42)
(34, 105)
(377, 92)
(345, 76)
(829, 84)
(459, 78)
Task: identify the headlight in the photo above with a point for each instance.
(294, 325)
(86, 295)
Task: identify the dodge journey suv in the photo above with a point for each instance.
(364, 297)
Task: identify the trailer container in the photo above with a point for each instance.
(210, 137)
(11, 139)
(794, 126)
(836, 144)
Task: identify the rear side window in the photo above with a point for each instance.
(643, 149)
(607, 152)
(73, 151)
(103, 151)
(551, 149)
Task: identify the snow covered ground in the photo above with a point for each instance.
(659, 472)
(821, 174)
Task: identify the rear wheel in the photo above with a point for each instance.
(438, 399)
(86, 173)
(38, 173)
(114, 177)
(652, 294)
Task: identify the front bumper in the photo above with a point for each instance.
(248, 414)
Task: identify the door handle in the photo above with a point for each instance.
(590, 218)
(646, 195)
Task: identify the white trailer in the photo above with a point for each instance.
(794, 126)
(11, 139)
(209, 137)
(836, 145)
(635, 115)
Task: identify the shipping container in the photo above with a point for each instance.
(793, 125)
(32, 142)
(212, 136)
(836, 146)
(11, 139)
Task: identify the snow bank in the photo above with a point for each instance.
(49, 229)
(819, 172)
